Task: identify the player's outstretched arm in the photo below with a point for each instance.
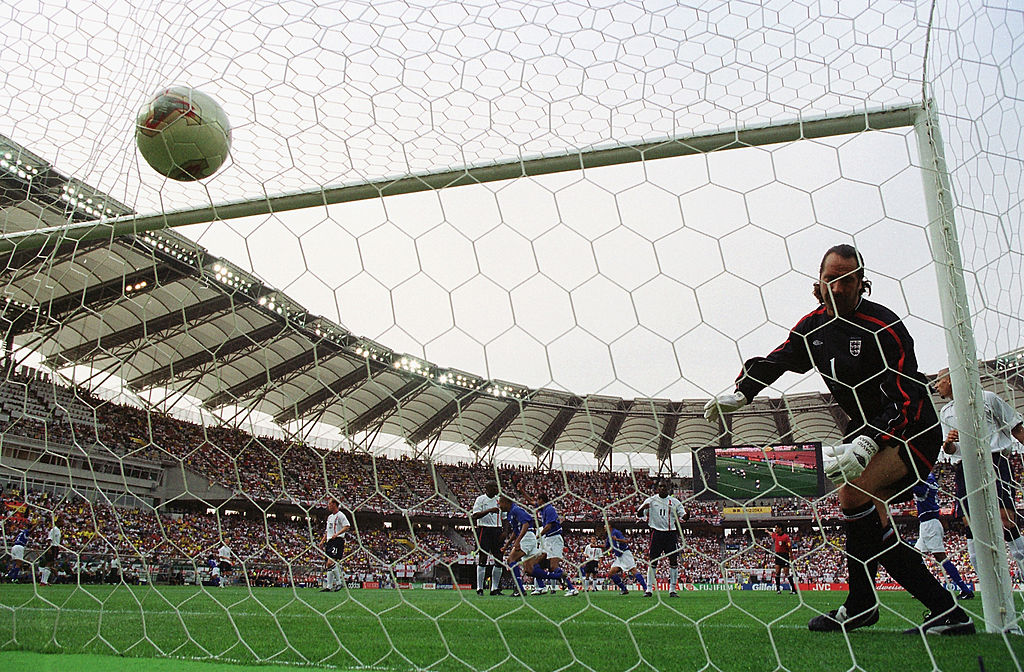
(723, 404)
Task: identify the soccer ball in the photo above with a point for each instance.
(183, 134)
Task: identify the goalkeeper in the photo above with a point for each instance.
(866, 358)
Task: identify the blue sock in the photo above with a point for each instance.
(640, 579)
(560, 575)
(517, 574)
(954, 575)
(617, 580)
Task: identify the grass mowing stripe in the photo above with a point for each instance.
(442, 630)
(83, 662)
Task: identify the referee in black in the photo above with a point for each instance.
(487, 518)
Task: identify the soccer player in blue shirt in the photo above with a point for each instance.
(929, 539)
(615, 542)
(552, 547)
(18, 555)
(522, 540)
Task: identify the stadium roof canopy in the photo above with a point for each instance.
(157, 311)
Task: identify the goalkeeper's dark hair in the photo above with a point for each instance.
(843, 252)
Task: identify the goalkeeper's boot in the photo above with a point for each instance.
(952, 622)
(839, 619)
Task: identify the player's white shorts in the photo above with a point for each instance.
(529, 546)
(930, 538)
(17, 552)
(553, 546)
(625, 562)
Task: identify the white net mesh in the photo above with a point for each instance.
(183, 403)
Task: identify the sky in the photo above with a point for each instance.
(651, 279)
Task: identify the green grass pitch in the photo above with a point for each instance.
(800, 482)
(449, 630)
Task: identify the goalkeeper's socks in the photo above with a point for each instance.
(778, 583)
(863, 538)
(640, 579)
(954, 576)
(907, 567)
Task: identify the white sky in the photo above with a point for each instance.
(652, 279)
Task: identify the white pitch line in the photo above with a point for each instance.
(185, 614)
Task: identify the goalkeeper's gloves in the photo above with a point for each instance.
(724, 403)
(847, 461)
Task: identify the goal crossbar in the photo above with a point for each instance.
(580, 159)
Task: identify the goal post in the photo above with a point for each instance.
(979, 474)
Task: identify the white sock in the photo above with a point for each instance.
(481, 573)
(495, 577)
(338, 578)
(674, 578)
(45, 572)
(971, 555)
(328, 579)
(651, 576)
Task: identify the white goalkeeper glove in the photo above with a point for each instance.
(724, 403)
(847, 461)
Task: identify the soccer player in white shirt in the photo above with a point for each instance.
(334, 545)
(592, 556)
(51, 555)
(663, 513)
(487, 518)
(1005, 430)
(224, 555)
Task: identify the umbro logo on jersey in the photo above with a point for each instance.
(816, 343)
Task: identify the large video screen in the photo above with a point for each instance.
(743, 473)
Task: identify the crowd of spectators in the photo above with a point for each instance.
(269, 471)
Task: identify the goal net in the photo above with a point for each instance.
(521, 243)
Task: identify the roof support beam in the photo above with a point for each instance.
(384, 407)
(96, 297)
(489, 436)
(557, 426)
(221, 351)
(327, 392)
(436, 422)
(603, 450)
(239, 391)
(667, 435)
(175, 318)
